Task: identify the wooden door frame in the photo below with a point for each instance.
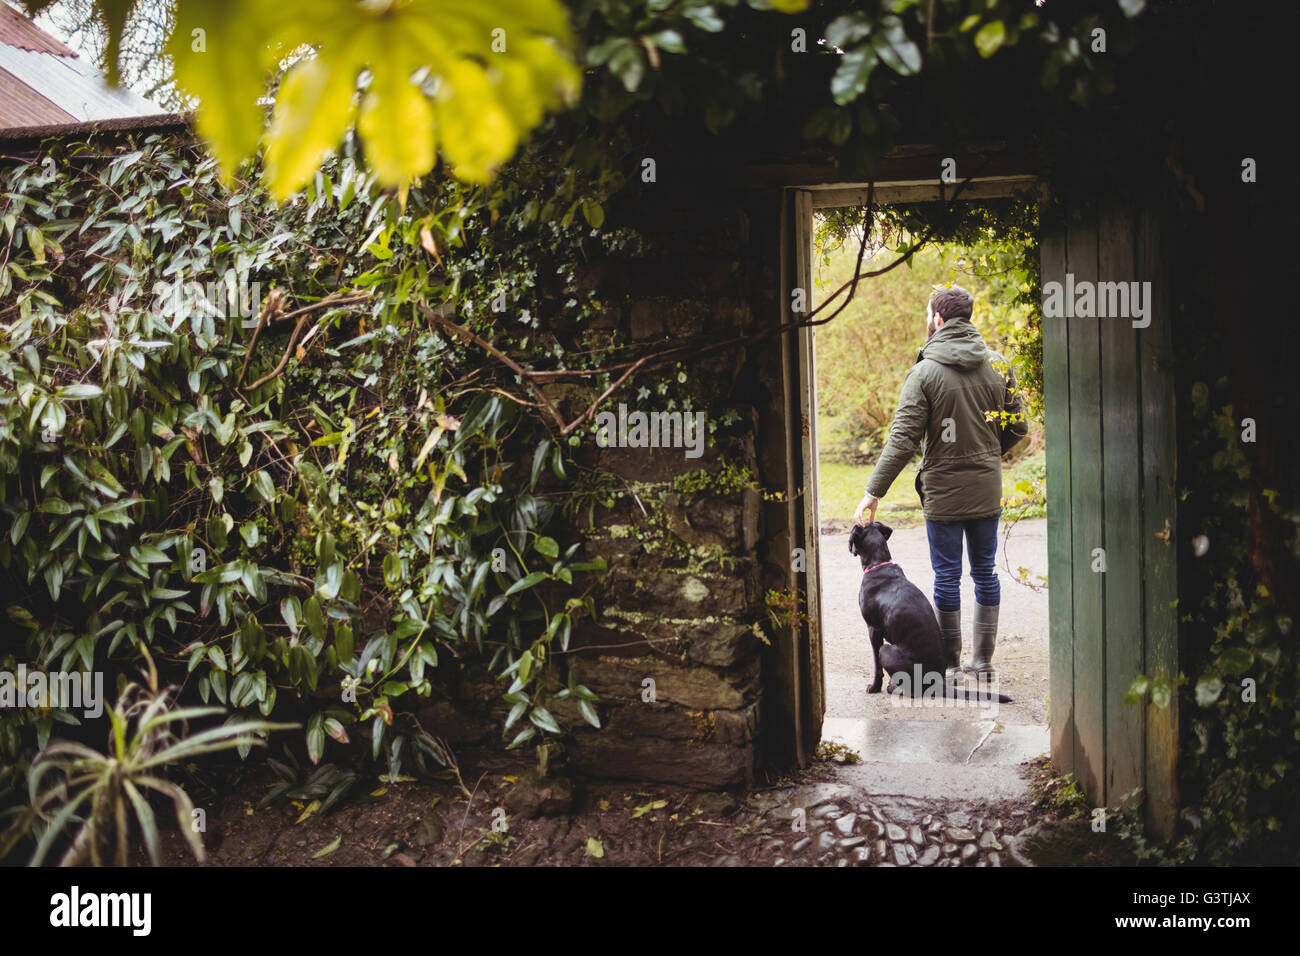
(803, 658)
(1150, 737)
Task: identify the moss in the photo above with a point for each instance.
(727, 480)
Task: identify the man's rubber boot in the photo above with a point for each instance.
(950, 625)
(985, 639)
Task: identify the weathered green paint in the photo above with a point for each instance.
(1110, 457)
(1121, 389)
(1087, 517)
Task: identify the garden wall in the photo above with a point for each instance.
(681, 646)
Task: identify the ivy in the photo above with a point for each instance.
(326, 524)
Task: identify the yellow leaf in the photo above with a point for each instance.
(494, 67)
(594, 848)
(428, 447)
(430, 246)
(224, 51)
(648, 807)
(328, 848)
(397, 125)
(477, 132)
(311, 808)
(533, 76)
(312, 113)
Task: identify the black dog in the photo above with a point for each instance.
(898, 613)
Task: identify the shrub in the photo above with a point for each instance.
(303, 488)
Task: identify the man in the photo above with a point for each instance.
(945, 405)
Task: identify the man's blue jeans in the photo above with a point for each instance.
(945, 558)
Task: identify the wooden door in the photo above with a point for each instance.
(1112, 581)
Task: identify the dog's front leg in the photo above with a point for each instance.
(877, 641)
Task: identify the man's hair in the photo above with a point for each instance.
(953, 303)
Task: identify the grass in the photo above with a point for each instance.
(840, 487)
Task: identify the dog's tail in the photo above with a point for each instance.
(962, 694)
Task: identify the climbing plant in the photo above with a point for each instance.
(247, 421)
(332, 517)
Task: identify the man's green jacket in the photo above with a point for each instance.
(949, 404)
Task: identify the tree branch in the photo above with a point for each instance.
(497, 354)
(535, 378)
(270, 313)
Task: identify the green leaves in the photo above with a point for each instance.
(80, 391)
(887, 43)
(853, 74)
(628, 63)
(262, 484)
(846, 30)
(527, 582)
(1208, 690)
(990, 37)
(171, 505)
(471, 78)
(1160, 688)
(316, 737)
(149, 733)
(1235, 660)
(594, 214)
(542, 718)
(894, 47)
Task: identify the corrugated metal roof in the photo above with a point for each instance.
(16, 30)
(43, 83)
(20, 105)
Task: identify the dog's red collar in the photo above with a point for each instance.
(874, 566)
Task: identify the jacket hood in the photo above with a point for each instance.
(958, 344)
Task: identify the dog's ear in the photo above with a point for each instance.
(853, 547)
(885, 529)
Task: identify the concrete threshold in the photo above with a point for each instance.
(975, 759)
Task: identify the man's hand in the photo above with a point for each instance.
(869, 504)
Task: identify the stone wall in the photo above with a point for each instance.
(682, 604)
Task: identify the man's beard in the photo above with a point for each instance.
(930, 329)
